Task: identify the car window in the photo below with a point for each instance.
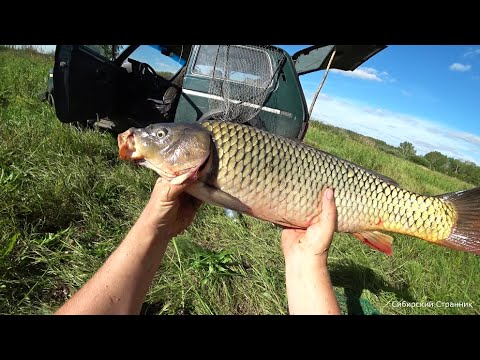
(235, 63)
(165, 64)
(109, 52)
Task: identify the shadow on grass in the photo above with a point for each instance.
(348, 275)
(354, 278)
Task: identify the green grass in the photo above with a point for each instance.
(66, 201)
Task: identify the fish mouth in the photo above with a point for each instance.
(126, 145)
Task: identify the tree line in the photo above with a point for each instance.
(461, 169)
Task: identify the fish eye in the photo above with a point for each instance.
(162, 133)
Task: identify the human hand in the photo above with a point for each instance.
(170, 208)
(310, 247)
(309, 289)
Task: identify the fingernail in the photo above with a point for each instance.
(329, 194)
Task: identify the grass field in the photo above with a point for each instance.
(66, 201)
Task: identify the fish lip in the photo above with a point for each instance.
(126, 145)
(122, 137)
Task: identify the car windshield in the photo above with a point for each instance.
(175, 57)
(166, 63)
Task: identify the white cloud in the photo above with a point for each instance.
(365, 73)
(472, 52)
(460, 67)
(394, 128)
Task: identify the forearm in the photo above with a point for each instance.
(309, 290)
(121, 284)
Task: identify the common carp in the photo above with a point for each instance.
(280, 180)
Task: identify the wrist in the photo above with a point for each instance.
(306, 261)
(155, 224)
(306, 269)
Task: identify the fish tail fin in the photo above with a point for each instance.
(465, 235)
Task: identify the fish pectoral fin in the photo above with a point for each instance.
(215, 196)
(376, 240)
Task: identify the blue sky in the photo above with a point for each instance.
(428, 95)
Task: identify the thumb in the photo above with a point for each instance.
(168, 192)
(328, 217)
(329, 211)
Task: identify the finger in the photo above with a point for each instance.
(329, 210)
(175, 191)
(328, 217)
(166, 191)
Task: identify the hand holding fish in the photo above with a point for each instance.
(171, 209)
(309, 289)
(121, 284)
(313, 243)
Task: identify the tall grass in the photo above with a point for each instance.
(67, 201)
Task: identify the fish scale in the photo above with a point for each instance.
(269, 174)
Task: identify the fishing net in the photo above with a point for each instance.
(241, 78)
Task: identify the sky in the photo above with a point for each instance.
(428, 95)
(425, 94)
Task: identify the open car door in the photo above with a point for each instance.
(347, 57)
(84, 83)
